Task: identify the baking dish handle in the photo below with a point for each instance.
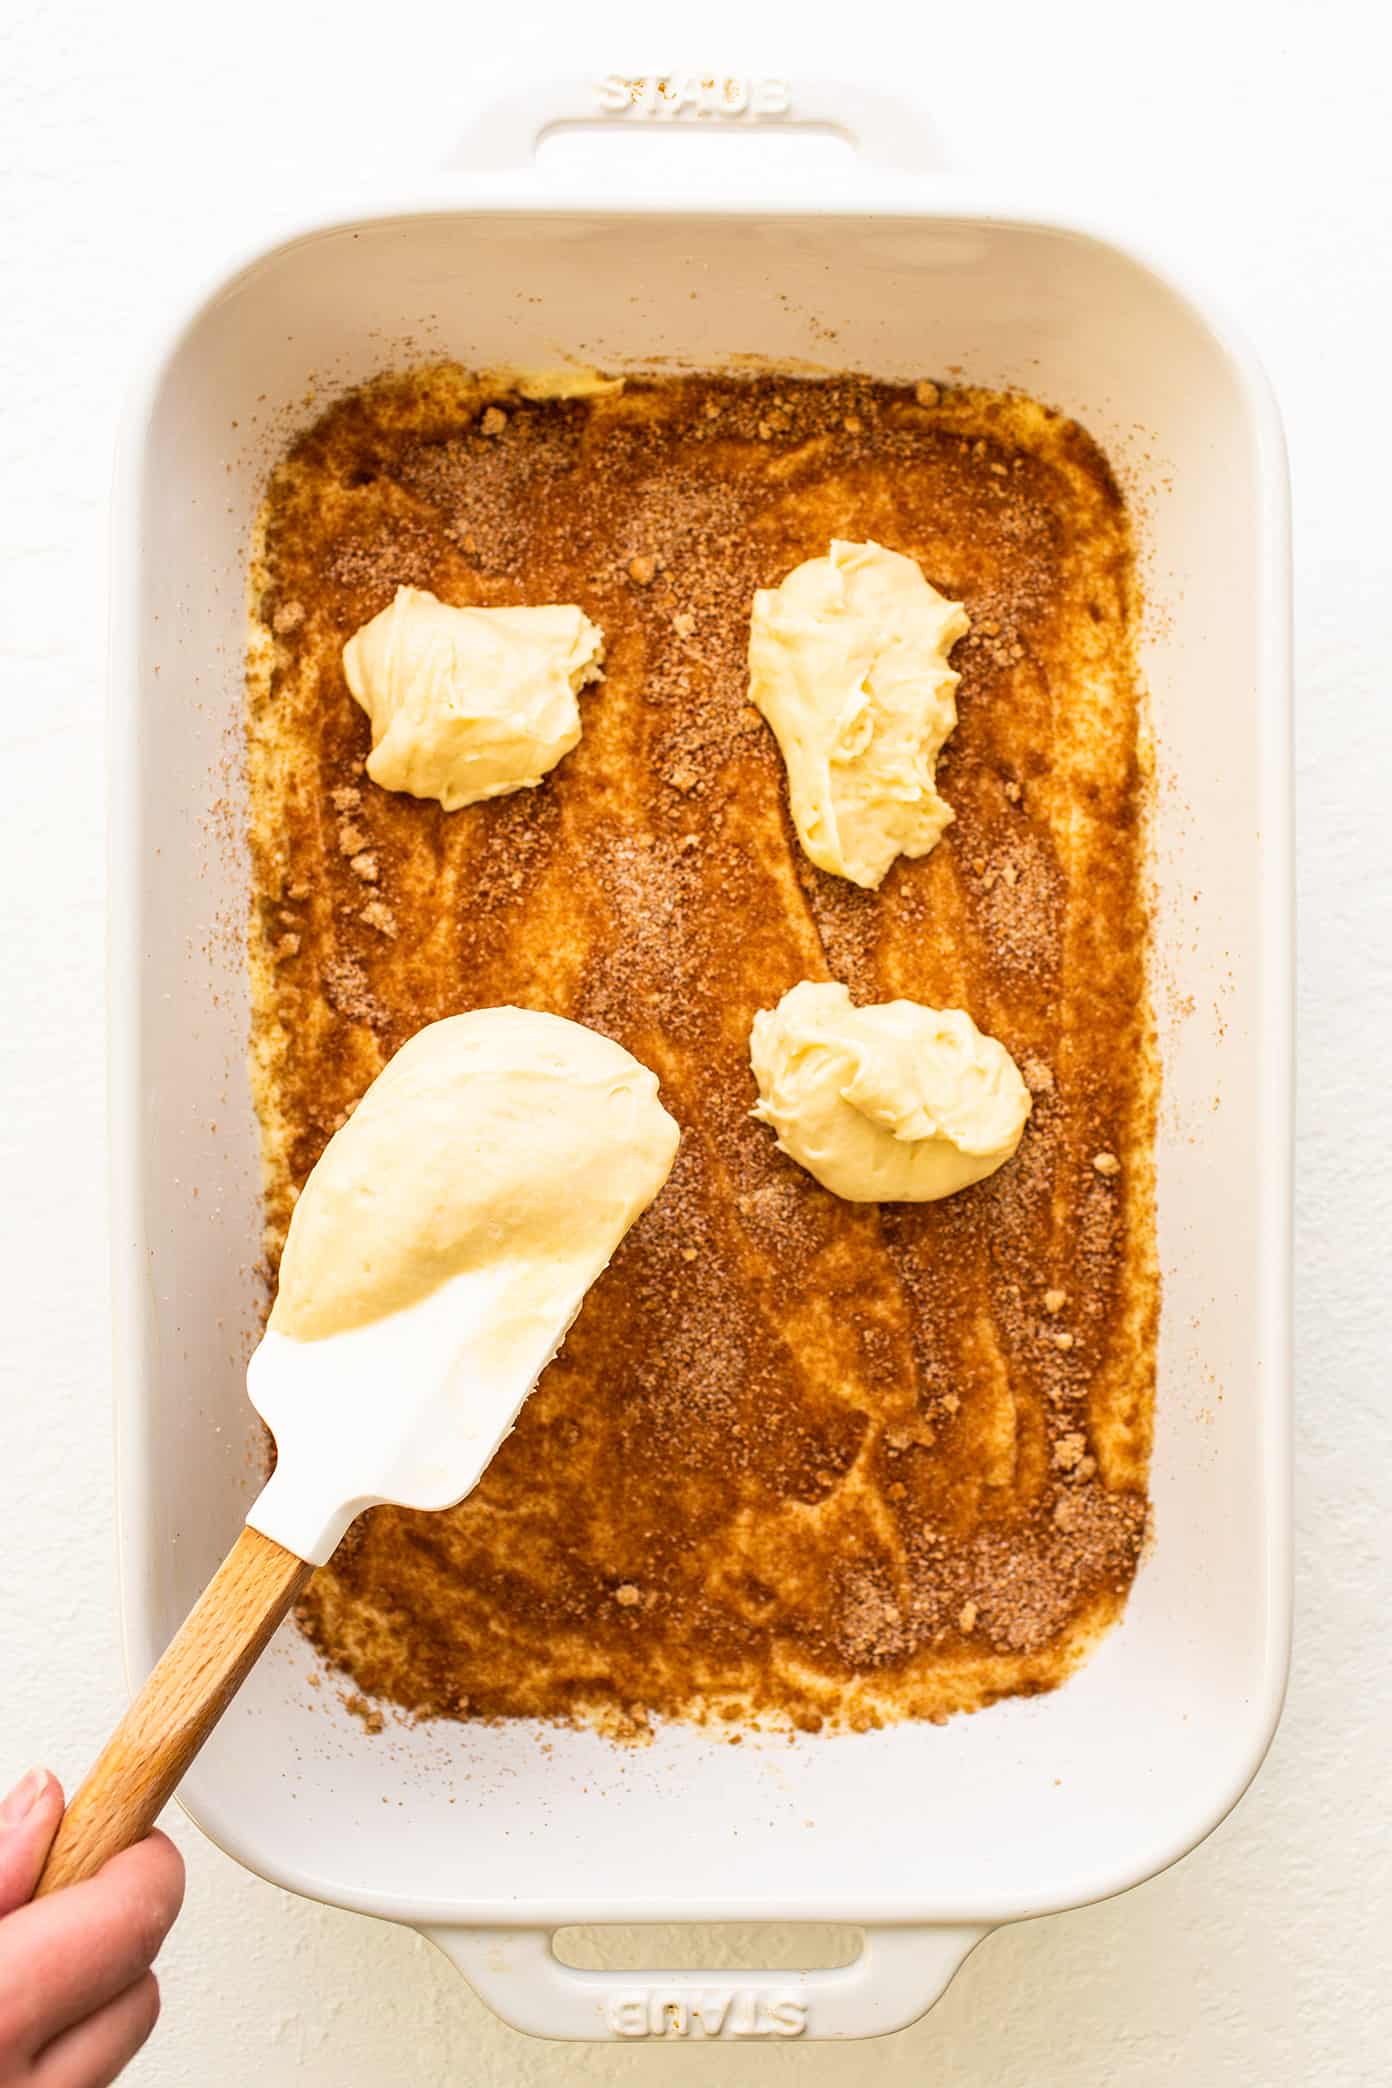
(886, 133)
(897, 1977)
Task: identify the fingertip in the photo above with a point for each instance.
(171, 1862)
(152, 2000)
(98, 2044)
(51, 1800)
(36, 1791)
(29, 1820)
(152, 1872)
(44, 1814)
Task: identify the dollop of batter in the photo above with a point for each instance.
(887, 1104)
(848, 662)
(470, 703)
(503, 1141)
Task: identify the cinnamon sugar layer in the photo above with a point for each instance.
(797, 1459)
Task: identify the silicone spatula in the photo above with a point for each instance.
(407, 1408)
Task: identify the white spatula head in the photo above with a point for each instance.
(437, 1257)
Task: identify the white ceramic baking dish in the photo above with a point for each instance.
(925, 1837)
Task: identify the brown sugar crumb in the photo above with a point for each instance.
(1063, 1340)
(927, 393)
(870, 1625)
(642, 570)
(378, 915)
(1106, 1163)
(347, 992)
(286, 946)
(1055, 1300)
(369, 1715)
(797, 1460)
(365, 866)
(288, 618)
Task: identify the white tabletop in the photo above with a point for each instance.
(142, 142)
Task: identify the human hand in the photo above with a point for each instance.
(77, 1996)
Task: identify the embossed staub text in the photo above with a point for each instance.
(705, 2012)
(684, 95)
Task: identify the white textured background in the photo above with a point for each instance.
(141, 143)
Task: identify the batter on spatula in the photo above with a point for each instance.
(442, 1246)
(439, 1253)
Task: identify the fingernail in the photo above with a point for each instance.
(23, 1798)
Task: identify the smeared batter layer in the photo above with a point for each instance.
(798, 1458)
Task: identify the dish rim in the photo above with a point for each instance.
(930, 199)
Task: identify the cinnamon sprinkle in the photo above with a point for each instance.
(798, 1459)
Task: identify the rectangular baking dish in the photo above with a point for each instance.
(924, 1836)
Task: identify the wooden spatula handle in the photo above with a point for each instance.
(135, 1774)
